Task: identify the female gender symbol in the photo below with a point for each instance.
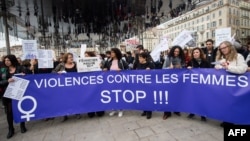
(27, 114)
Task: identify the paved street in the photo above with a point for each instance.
(130, 127)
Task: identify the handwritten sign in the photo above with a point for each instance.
(88, 64)
(16, 89)
(132, 42)
(29, 49)
(223, 34)
(45, 63)
(45, 58)
(42, 53)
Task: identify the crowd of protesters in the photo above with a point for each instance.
(234, 60)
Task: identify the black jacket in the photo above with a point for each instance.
(121, 64)
(194, 64)
(210, 57)
(146, 65)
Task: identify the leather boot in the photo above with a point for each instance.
(11, 133)
(22, 127)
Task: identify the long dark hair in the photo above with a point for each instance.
(181, 53)
(90, 53)
(117, 52)
(13, 60)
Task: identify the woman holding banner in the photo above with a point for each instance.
(116, 63)
(145, 64)
(99, 113)
(175, 60)
(198, 60)
(67, 65)
(227, 58)
(12, 67)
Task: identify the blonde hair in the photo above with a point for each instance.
(232, 55)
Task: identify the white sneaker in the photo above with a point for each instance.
(120, 114)
(112, 113)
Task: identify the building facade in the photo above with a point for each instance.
(205, 19)
(244, 31)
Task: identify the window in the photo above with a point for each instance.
(220, 13)
(208, 18)
(208, 35)
(213, 33)
(213, 15)
(237, 3)
(235, 22)
(220, 22)
(221, 3)
(214, 23)
(208, 26)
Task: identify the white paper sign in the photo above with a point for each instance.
(83, 50)
(162, 46)
(16, 89)
(132, 42)
(45, 63)
(42, 54)
(88, 64)
(29, 49)
(183, 38)
(223, 34)
(45, 58)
